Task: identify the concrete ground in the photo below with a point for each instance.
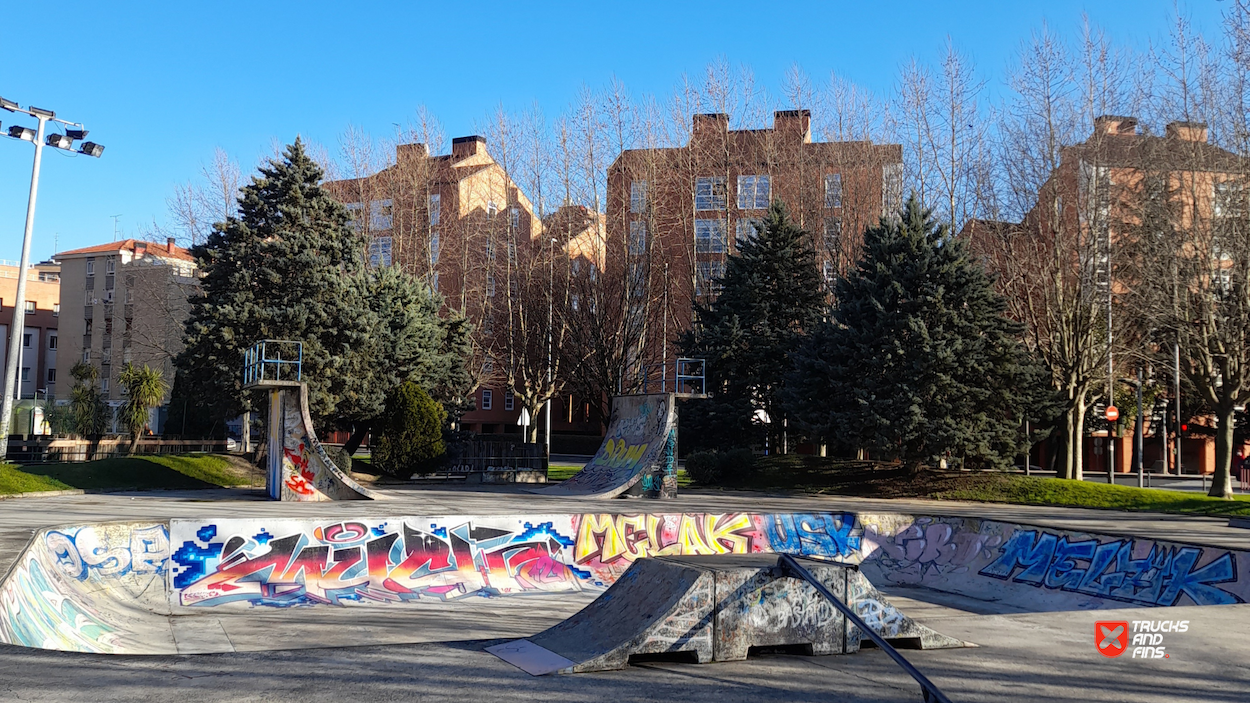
(434, 652)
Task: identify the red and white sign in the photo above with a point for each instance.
(1113, 413)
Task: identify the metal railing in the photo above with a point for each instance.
(928, 691)
(271, 359)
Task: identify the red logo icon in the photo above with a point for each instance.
(1111, 637)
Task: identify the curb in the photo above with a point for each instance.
(44, 494)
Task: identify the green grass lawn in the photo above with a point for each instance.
(181, 471)
(866, 479)
(559, 472)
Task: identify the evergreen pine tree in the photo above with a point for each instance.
(289, 266)
(771, 295)
(919, 360)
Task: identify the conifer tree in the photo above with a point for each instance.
(289, 266)
(770, 296)
(919, 360)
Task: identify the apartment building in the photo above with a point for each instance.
(37, 370)
(127, 301)
(1104, 191)
(673, 215)
(461, 222)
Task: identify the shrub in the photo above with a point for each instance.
(341, 458)
(719, 468)
(411, 433)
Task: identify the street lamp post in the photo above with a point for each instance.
(551, 308)
(19, 308)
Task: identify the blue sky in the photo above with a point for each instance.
(163, 85)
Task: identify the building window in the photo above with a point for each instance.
(753, 192)
(381, 215)
(707, 275)
(490, 285)
(491, 210)
(380, 251)
(709, 236)
(833, 190)
(637, 237)
(26, 341)
(487, 399)
(104, 385)
(509, 400)
(56, 309)
(51, 376)
(709, 193)
(833, 233)
(637, 278)
(88, 327)
(747, 228)
(575, 302)
(110, 265)
(353, 215)
(86, 356)
(90, 266)
(435, 207)
(435, 247)
(638, 196)
(827, 270)
(488, 366)
(52, 341)
(514, 218)
(891, 189)
(30, 307)
(25, 374)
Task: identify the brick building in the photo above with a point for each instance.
(1101, 195)
(37, 372)
(126, 301)
(462, 223)
(674, 214)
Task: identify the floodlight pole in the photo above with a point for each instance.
(18, 327)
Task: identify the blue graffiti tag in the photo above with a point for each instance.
(1108, 570)
(814, 534)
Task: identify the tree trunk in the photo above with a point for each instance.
(134, 442)
(1078, 443)
(1221, 480)
(357, 438)
(531, 431)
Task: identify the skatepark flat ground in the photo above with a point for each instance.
(433, 652)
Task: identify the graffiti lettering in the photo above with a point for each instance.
(814, 534)
(1108, 569)
(607, 539)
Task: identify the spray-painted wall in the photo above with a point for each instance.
(109, 587)
(638, 454)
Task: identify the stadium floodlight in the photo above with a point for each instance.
(40, 138)
(19, 132)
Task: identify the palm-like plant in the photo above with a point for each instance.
(145, 389)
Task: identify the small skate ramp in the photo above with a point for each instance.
(638, 456)
(307, 473)
(715, 609)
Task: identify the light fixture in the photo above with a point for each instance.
(91, 149)
(8, 105)
(41, 112)
(19, 132)
(60, 141)
(76, 134)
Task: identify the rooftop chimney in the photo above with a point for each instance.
(467, 146)
(710, 125)
(169, 244)
(410, 152)
(1187, 131)
(1115, 124)
(794, 123)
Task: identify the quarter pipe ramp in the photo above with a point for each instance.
(303, 472)
(638, 456)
